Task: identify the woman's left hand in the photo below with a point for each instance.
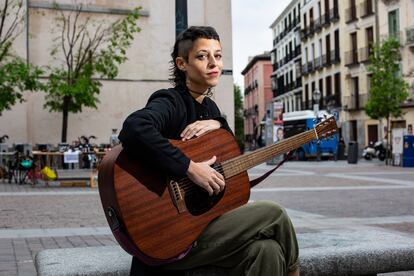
(199, 128)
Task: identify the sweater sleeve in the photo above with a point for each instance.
(141, 135)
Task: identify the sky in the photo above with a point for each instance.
(251, 20)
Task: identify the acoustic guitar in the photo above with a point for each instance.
(156, 218)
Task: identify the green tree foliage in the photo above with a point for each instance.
(90, 49)
(238, 116)
(388, 88)
(16, 76)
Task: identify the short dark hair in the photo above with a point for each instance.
(183, 44)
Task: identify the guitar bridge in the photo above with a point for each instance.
(177, 196)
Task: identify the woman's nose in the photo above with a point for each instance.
(212, 62)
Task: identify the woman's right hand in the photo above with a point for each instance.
(202, 174)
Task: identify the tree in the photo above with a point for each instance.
(238, 116)
(90, 49)
(388, 88)
(16, 76)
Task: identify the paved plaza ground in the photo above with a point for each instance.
(317, 195)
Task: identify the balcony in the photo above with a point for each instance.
(365, 53)
(296, 23)
(326, 59)
(318, 24)
(297, 52)
(334, 14)
(298, 83)
(351, 14)
(311, 29)
(304, 33)
(305, 69)
(325, 21)
(335, 57)
(398, 35)
(351, 57)
(333, 101)
(317, 63)
(409, 35)
(311, 67)
(367, 8)
(298, 70)
(355, 102)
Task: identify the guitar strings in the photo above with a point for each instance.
(188, 186)
(234, 165)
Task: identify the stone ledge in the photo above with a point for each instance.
(329, 252)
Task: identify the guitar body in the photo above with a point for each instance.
(138, 204)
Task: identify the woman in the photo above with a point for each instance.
(255, 239)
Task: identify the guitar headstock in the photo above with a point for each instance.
(326, 128)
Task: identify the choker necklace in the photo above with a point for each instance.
(198, 93)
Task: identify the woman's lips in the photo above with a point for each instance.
(213, 74)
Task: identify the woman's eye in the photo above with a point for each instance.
(218, 57)
(201, 57)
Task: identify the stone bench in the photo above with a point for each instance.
(359, 251)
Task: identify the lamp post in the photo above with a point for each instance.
(316, 98)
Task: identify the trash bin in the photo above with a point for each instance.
(408, 152)
(352, 152)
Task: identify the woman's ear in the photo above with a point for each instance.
(181, 64)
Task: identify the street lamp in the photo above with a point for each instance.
(316, 98)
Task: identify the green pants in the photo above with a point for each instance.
(255, 239)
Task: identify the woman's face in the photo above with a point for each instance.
(204, 64)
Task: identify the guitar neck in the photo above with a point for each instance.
(247, 161)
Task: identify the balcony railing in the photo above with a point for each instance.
(311, 29)
(311, 67)
(355, 101)
(298, 51)
(367, 8)
(351, 57)
(333, 101)
(326, 59)
(318, 24)
(304, 33)
(409, 36)
(325, 20)
(365, 53)
(398, 35)
(351, 14)
(335, 57)
(334, 14)
(304, 69)
(318, 63)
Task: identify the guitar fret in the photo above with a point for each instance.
(244, 162)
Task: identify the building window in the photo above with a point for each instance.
(181, 22)
(337, 45)
(306, 96)
(394, 24)
(328, 86)
(355, 96)
(337, 92)
(313, 87)
(321, 89)
(328, 48)
(369, 36)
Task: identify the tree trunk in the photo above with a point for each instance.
(65, 113)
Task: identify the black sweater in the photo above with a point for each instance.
(145, 132)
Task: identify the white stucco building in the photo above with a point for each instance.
(146, 70)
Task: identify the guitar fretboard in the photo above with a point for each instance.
(244, 162)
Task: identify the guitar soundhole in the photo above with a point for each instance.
(198, 201)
